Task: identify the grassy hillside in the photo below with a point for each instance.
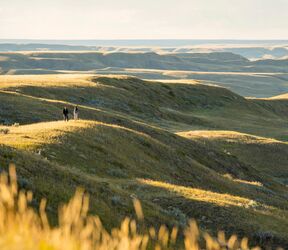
(24, 228)
(265, 78)
(134, 141)
(84, 61)
(254, 51)
(250, 149)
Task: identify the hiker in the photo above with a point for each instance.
(76, 113)
(65, 114)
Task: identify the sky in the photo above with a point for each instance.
(143, 19)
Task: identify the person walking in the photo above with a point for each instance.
(65, 114)
(76, 113)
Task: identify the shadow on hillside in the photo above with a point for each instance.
(277, 106)
(111, 200)
(27, 109)
(110, 151)
(173, 106)
(58, 183)
(132, 95)
(56, 179)
(251, 221)
(104, 159)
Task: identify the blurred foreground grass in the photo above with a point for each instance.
(21, 227)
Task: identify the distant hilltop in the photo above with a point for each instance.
(251, 49)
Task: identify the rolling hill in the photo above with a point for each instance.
(250, 49)
(262, 78)
(186, 150)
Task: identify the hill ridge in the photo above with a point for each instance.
(130, 143)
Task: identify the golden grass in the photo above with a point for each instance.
(36, 134)
(65, 80)
(231, 136)
(23, 228)
(278, 97)
(41, 134)
(253, 183)
(200, 195)
(47, 81)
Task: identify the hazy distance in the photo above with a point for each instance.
(130, 19)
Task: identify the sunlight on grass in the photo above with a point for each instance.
(200, 195)
(47, 81)
(230, 136)
(33, 135)
(44, 81)
(22, 228)
(253, 183)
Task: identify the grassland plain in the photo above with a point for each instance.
(186, 150)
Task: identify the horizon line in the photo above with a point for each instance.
(135, 39)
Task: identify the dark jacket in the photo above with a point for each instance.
(65, 111)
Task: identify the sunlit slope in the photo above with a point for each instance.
(173, 176)
(126, 147)
(173, 106)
